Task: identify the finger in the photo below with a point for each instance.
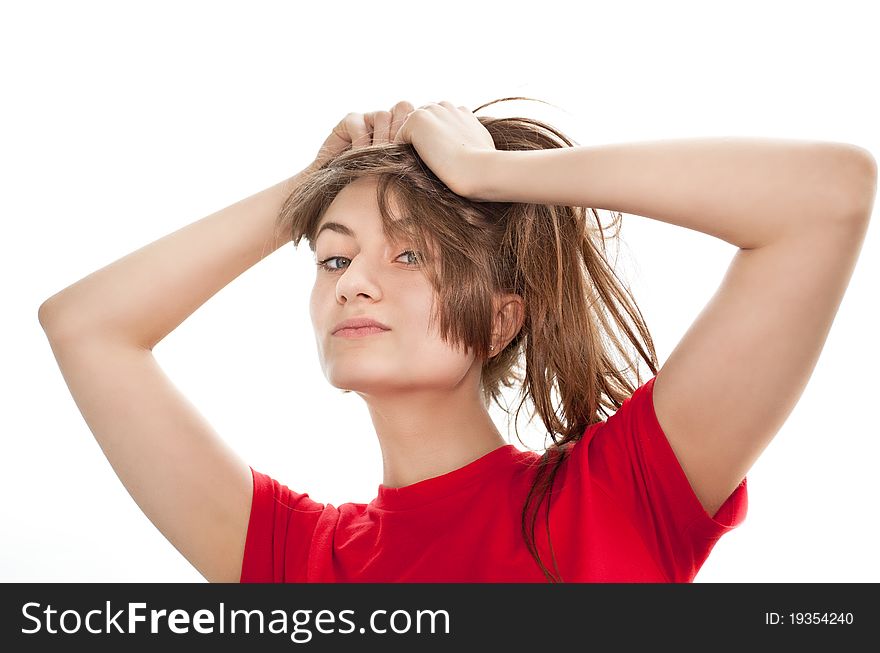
(369, 118)
(402, 135)
(381, 127)
(399, 112)
(339, 138)
(355, 126)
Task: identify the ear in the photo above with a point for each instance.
(508, 316)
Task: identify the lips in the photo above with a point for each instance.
(361, 332)
(367, 324)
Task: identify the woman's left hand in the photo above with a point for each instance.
(449, 140)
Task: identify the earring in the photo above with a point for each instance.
(491, 347)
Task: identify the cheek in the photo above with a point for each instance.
(437, 364)
(433, 351)
(319, 300)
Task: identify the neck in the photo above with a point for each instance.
(428, 432)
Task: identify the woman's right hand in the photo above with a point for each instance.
(361, 130)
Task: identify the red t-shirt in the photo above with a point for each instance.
(622, 510)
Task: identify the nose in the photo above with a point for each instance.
(358, 278)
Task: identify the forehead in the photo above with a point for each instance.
(355, 211)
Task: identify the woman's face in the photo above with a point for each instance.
(380, 280)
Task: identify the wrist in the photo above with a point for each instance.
(488, 176)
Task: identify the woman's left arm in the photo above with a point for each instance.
(798, 211)
(745, 191)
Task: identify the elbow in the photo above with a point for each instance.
(861, 183)
(43, 315)
(48, 315)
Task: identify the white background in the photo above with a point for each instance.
(123, 122)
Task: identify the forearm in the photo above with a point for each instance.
(745, 191)
(145, 295)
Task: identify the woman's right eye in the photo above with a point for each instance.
(324, 264)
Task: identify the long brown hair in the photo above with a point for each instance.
(548, 254)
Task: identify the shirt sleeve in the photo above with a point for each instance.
(629, 457)
(279, 532)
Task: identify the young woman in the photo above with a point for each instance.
(455, 256)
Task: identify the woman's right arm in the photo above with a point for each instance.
(102, 330)
(142, 297)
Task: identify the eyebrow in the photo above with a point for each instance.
(337, 227)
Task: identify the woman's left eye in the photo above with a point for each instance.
(415, 256)
(325, 263)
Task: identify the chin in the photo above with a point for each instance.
(365, 380)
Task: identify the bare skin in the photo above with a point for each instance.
(423, 396)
